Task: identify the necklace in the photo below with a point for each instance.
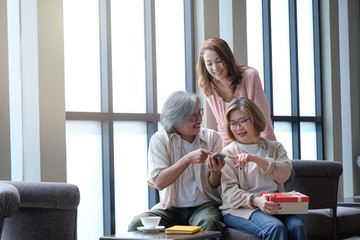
(224, 91)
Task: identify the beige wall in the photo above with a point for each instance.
(41, 103)
(51, 90)
(5, 166)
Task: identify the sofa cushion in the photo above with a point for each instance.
(40, 224)
(348, 221)
(313, 219)
(233, 234)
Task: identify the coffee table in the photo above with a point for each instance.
(161, 235)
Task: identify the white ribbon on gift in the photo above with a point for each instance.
(294, 193)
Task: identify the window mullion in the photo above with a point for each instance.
(267, 54)
(108, 125)
(189, 46)
(294, 77)
(317, 77)
(151, 83)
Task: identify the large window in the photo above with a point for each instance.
(83, 100)
(118, 76)
(119, 70)
(290, 66)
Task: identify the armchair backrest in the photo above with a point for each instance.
(46, 211)
(9, 202)
(318, 179)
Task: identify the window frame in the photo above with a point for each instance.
(295, 119)
(151, 117)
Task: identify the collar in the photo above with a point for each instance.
(198, 138)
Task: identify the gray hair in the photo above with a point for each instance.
(178, 107)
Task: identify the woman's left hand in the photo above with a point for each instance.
(268, 207)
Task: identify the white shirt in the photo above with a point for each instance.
(258, 182)
(188, 194)
(165, 150)
(226, 104)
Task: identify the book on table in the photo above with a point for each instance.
(181, 229)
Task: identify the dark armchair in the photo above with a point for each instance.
(46, 211)
(9, 202)
(319, 180)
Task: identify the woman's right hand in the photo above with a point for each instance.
(268, 207)
(244, 158)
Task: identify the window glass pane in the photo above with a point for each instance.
(131, 189)
(283, 132)
(255, 36)
(15, 91)
(82, 57)
(170, 48)
(84, 169)
(128, 56)
(308, 141)
(306, 58)
(280, 57)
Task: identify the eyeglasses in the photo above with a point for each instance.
(196, 116)
(242, 123)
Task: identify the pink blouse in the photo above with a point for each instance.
(250, 88)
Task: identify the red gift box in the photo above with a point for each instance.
(290, 202)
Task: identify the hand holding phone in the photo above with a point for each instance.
(217, 154)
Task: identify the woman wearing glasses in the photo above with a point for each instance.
(182, 168)
(255, 165)
(222, 78)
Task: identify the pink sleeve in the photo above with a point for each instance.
(218, 108)
(253, 90)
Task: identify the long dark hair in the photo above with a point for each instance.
(233, 68)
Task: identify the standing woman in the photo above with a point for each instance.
(222, 79)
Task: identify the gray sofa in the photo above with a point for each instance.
(325, 220)
(38, 210)
(9, 202)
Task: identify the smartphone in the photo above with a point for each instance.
(217, 154)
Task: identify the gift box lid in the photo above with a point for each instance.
(288, 197)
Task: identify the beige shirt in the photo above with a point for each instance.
(165, 150)
(236, 200)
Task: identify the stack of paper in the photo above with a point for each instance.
(180, 229)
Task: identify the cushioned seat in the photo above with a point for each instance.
(312, 220)
(348, 219)
(231, 233)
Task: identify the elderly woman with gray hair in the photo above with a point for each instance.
(182, 167)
